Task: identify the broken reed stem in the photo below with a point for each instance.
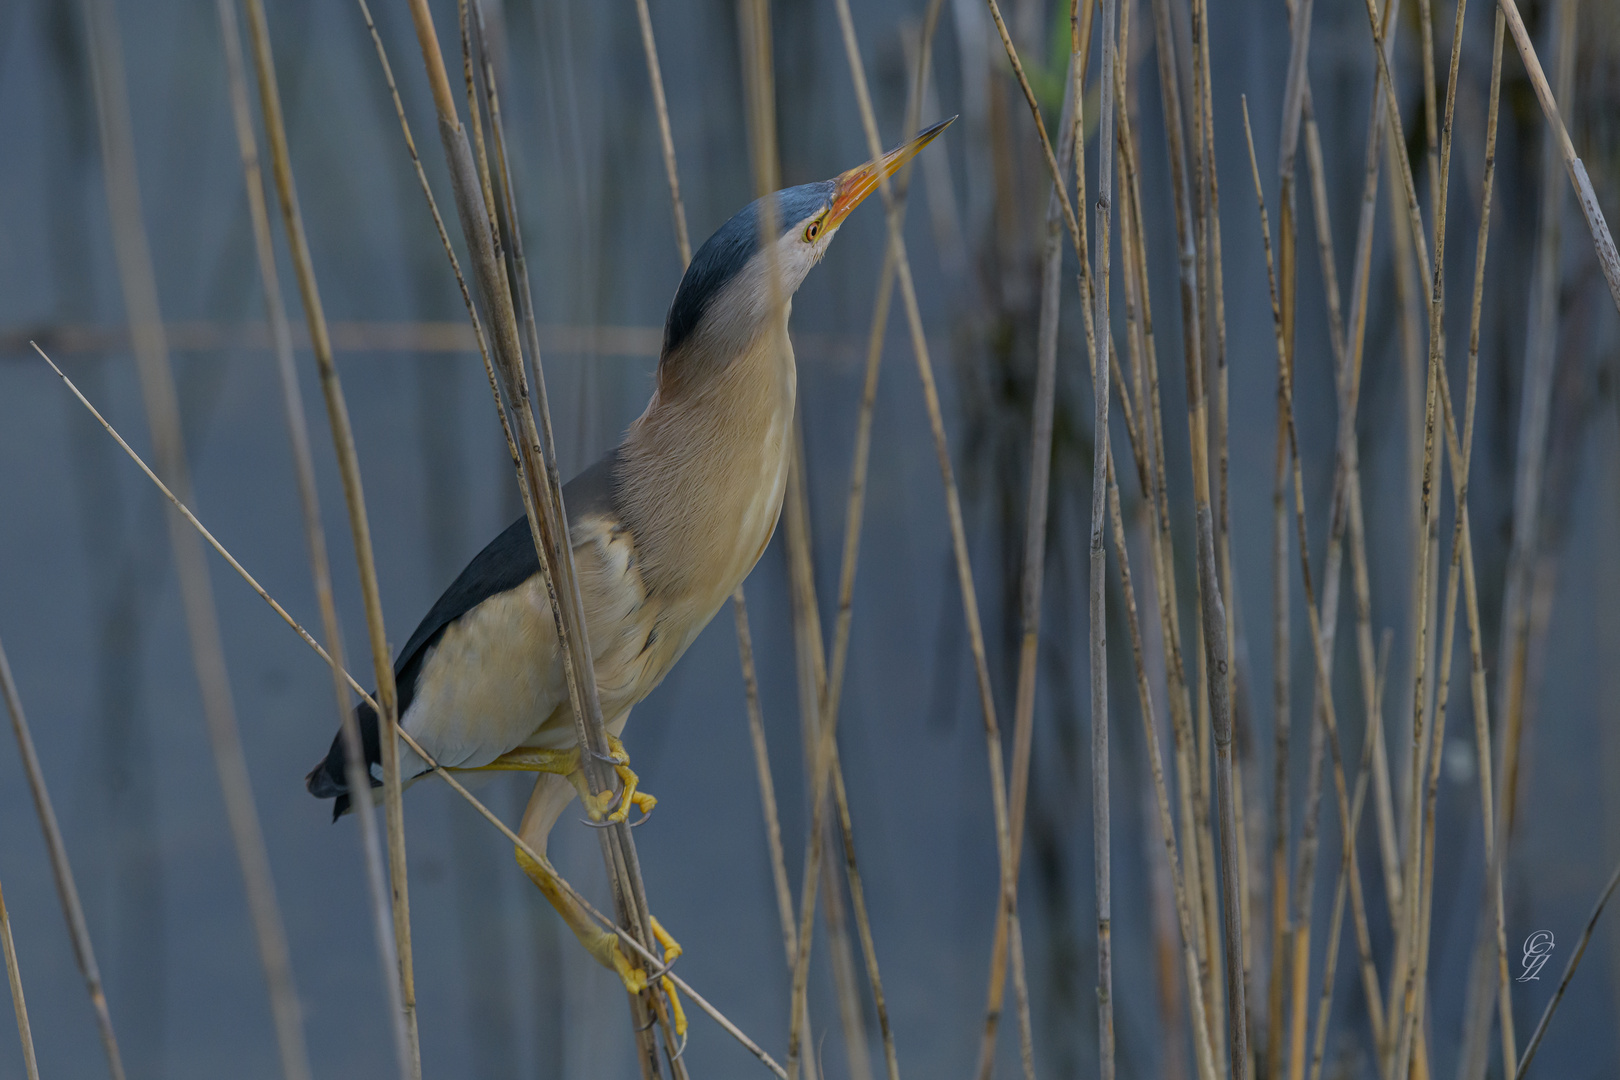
(1602, 240)
(29, 757)
(359, 523)
(1101, 823)
(67, 890)
(20, 1006)
(1569, 973)
(161, 400)
(315, 537)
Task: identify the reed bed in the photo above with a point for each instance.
(1249, 969)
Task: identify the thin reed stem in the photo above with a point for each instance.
(359, 523)
(1602, 239)
(446, 774)
(1101, 822)
(315, 536)
(18, 1004)
(67, 890)
(1569, 973)
(161, 400)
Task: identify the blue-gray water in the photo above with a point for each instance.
(90, 615)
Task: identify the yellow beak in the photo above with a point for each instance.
(859, 182)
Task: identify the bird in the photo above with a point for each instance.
(663, 530)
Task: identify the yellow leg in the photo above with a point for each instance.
(602, 944)
(566, 763)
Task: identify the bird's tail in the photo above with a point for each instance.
(330, 780)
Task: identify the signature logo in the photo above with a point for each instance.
(1537, 948)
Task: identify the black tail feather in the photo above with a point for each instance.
(329, 779)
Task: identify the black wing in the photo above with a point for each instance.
(506, 562)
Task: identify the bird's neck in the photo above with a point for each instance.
(705, 467)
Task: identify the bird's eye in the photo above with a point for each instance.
(812, 231)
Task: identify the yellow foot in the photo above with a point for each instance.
(615, 806)
(605, 946)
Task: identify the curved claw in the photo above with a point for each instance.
(677, 1015)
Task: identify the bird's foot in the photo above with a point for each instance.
(610, 953)
(609, 806)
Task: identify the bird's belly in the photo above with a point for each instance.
(492, 680)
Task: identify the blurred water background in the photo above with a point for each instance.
(90, 615)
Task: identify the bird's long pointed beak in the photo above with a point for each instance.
(859, 182)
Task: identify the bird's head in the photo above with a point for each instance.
(724, 300)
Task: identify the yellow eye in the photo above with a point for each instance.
(812, 231)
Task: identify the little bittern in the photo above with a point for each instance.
(663, 529)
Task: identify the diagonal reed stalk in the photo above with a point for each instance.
(14, 978)
(1602, 239)
(359, 524)
(446, 774)
(161, 400)
(309, 499)
(67, 890)
(1569, 973)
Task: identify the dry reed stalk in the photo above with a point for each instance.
(18, 1004)
(952, 498)
(359, 524)
(67, 890)
(1602, 240)
(1034, 555)
(1476, 1031)
(739, 602)
(1356, 337)
(1203, 1054)
(360, 691)
(1101, 454)
(161, 400)
(1324, 695)
(539, 483)
(1569, 973)
(666, 138)
(1459, 456)
(1336, 919)
(1190, 758)
(856, 501)
(1133, 255)
(1345, 501)
(309, 501)
(1215, 653)
(1534, 415)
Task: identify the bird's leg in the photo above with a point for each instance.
(606, 805)
(546, 804)
(600, 943)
